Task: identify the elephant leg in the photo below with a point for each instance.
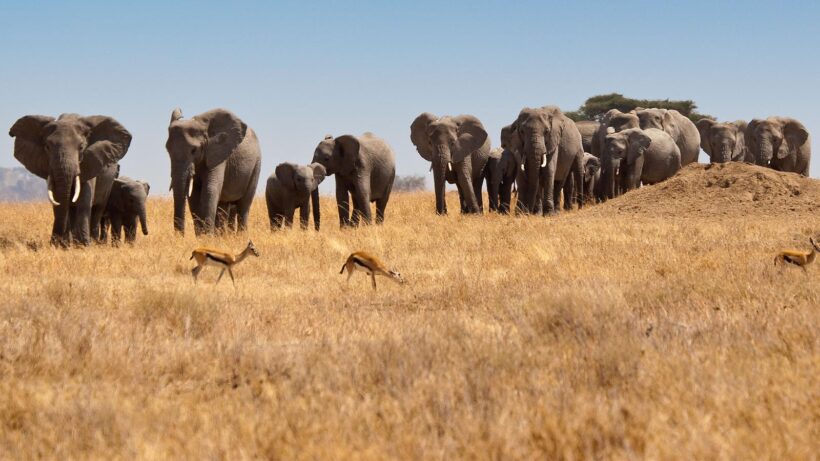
(116, 228)
(504, 197)
(233, 218)
(557, 188)
(361, 200)
(243, 206)
(195, 205)
(221, 217)
(304, 215)
(82, 217)
(464, 181)
(577, 175)
(289, 216)
(210, 198)
(549, 190)
(105, 223)
(342, 203)
(96, 219)
(131, 229)
(493, 184)
(478, 185)
(381, 204)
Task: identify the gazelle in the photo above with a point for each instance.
(370, 265)
(222, 259)
(797, 257)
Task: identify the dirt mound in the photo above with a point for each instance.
(730, 189)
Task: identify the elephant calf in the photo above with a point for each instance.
(126, 205)
(290, 187)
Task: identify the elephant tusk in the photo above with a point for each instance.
(544, 161)
(522, 167)
(51, 193)
(190, 186)
(76, 189)
(449, 166)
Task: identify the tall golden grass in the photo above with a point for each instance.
(583, 336)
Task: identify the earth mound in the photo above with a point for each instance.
(727, 190)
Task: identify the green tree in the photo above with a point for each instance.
(595, 107)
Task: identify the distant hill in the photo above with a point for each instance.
(18, 185)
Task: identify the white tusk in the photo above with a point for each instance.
(544, 161)
(450, 166)
(76, 189)
(190, 186)
(51, 193)
(522, 167)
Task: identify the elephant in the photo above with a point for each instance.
(723, 142)
(215, 162)
(781, 143)
(290, 187)
(634, 156)
(616, 120)
(102, 191)
(551, 151)
(365, 167)
(682, 130)
(69, 153)
(458, 145)
(503, 168)
(592, 176)
(126, 205)
(588, 129)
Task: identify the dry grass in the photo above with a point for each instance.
(591, 335)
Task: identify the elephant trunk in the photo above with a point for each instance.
(536, 157)
(440, 164)
(724, 153)
(766, 152)
(143, 219)
(181, 183)
(60, 193)
(317, 213)
(609, 178)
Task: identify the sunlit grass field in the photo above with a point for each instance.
(583, 336)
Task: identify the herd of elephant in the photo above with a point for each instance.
(216, 161)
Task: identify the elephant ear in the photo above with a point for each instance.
(741, 153)
(346, 153)
(108, 142)
(145, 186)
(28, 143)
(511, 140)
(795, 134)
(471, 137)
(749, 136)
(704, 125)
(418, 135)
(319, 172)
(638, 143)
(284, 173)
(225, 132)
(555, 122)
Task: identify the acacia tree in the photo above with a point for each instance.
(595, 107)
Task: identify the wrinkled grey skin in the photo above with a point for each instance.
(126, 205)
(634, 156)
(102, 191)
(678, 126)
(588, 130)
(616, 120)
(592, 176)
(503, 168)
(290, 187)
(545, 136)
(781, 143)
(220, 154)
(724, 142)
(63, 149)
(458, 149)
(365, 167)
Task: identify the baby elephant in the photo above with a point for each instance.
(125, 206)
(290, 187)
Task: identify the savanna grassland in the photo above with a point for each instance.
(653, 326)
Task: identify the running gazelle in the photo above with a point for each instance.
(210, 257)
(370, 265)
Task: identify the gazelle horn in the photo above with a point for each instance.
(76, 189)
(51, 193)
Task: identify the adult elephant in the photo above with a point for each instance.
(459, 145)
(365, 167)
(215, 163)
(781, 143)
(551, 150)
(723, 142)
(588, 130)
(616, 120)
(503, 168)
(634, 156)
(69, 153)
(682, 130)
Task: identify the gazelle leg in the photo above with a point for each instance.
(220, 276)
(373, 277)
(349, 274)
(230, 272)
(195, 272)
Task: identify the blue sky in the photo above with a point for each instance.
(295, 71)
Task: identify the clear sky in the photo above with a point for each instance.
(295, 71)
